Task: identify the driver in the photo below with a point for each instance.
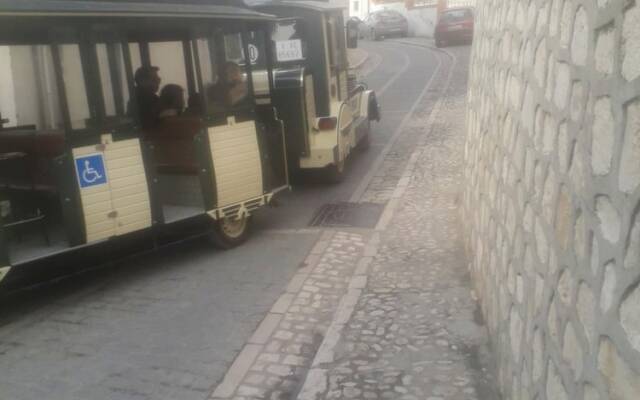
(237, 89)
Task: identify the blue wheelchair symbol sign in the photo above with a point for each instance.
(91, 171)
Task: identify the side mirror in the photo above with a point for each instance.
(352, 35)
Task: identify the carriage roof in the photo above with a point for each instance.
(76, 8)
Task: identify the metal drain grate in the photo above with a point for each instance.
(344, 215)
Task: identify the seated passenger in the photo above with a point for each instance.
(194, 105)
(171, 101)
(147, 102)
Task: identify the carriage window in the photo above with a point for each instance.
(233, 87)
(168, 56)
(337, 57)
(28, 91)
(209, 74)
(113, 79)
(288, 41)
(233, 48)
(208, 65)
(74, 84)
(136, 58)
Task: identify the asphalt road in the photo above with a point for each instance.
(167, 325)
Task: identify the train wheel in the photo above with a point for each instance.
(230, 232)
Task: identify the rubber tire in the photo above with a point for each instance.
(439, 44)
(374, 36)
(335, 173)
(224, 241)
(365, 143)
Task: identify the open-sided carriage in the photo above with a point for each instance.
(94, 164)
(326, 112)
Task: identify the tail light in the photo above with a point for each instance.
(326, 123)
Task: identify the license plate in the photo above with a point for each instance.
(455, 28)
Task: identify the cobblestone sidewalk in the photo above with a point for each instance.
(385, 313)
(415, 331)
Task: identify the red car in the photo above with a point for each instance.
(454, 25)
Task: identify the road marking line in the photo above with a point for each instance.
(405, 67)
(377, 164)
(375, 64)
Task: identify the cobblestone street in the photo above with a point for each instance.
(386, 313)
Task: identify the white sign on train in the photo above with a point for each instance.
(289, 50)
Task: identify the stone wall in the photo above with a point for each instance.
(552, 201)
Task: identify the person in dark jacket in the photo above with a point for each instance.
(147, 102)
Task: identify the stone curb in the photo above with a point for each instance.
(243, 362)
(315, 382)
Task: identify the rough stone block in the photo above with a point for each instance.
(630, 317)
(629, 166)
(605, 50)
(586, 309)
(572, 351)
(555, 386)
(609, 218)
(622, 381)
(603, 137)
(631, 43)
(580, 41)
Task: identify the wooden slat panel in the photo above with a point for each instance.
(116, 171)
(132, 199)
(83, 151)
(236, 191)
(129, 189)
(123, 162)
(101, 231)
(96, 218)
(238, 176)
(134, 217)
(97, 197)
(126, 192)
(123, 144)
(236, 159)
(239, 185)
(138, 181)
(242, 154)
(114, 154)
(96, 208)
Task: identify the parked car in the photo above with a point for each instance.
(384, 23)
(455, 25)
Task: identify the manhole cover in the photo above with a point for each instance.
(344, 214)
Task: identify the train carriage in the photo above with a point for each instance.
(96, 162)
(327, 113)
